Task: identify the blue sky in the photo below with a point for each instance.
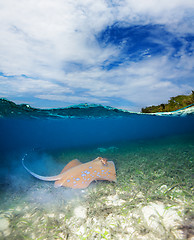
(127, 54)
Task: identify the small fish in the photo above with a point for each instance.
(79, 175)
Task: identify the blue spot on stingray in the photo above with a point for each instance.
(90, 167)
(68, 180)
(87, 172)
(88, 179)
(83, 175)
(77, 179)
(95, 171)
(98, 173)
(74, 182)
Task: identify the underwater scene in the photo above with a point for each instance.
(96, 173)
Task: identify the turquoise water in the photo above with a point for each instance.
(153, 156)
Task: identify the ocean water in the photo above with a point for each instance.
(153, 195)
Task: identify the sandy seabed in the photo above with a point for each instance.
(152, 199)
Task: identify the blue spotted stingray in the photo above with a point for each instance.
(79, 175)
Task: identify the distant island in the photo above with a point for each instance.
(175, 103)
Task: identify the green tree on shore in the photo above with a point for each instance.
(173, 104)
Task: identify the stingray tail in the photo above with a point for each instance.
(44, 178)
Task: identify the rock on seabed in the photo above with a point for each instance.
(4, 226)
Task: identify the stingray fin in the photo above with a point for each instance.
(71, 164)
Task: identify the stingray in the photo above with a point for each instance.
(79, 175)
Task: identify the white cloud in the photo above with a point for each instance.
(41, 38)
(22, 85)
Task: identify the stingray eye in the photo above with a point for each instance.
(104, 161)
